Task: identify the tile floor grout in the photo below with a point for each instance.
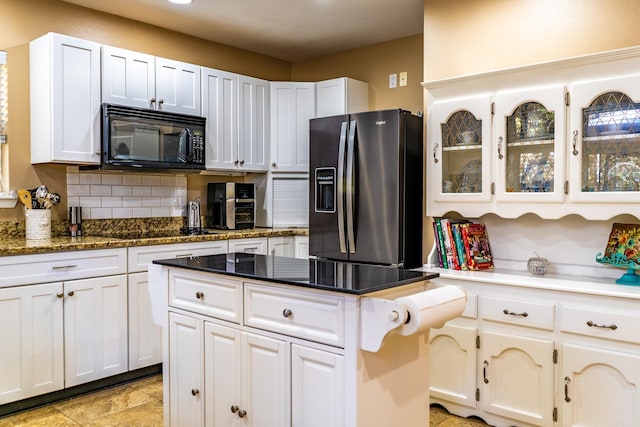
(139, 404)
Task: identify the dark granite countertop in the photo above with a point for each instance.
(344, 277)
(20, 246)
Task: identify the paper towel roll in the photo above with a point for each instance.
(432, 308)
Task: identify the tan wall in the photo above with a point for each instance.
(373, 64)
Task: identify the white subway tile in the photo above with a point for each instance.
(151, 201)
(78, 190)
(160, 212)
(141, 191)
(73, 178)
(121, 190)
(91, 202)
(132, 179)
(141, 213)
(131, 202)
(100, 190)
(90, 178)
(111, 179)
(122, 213)
(151, 179)
(160, 191)
(111, 202)
(100, 213)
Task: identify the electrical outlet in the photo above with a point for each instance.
(393, 81)
(403, 78)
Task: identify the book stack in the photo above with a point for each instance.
(462, 244)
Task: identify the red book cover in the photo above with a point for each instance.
(476, 242)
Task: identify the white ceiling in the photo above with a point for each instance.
(292, 30)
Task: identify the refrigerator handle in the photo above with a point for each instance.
(350, 188)
(341, 157)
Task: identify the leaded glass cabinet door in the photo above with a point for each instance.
(528, 154)
(605, 145)
(458, 164)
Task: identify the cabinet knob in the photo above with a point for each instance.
(242, 413)
(71, 293)
(195, 392)
(287, 313)
(241, 162)
(60, 294)
(151, 102)
(200, 295)
(161, 102)
(273, 164)
(236, 161)
(234, 409)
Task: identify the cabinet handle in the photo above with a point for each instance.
(500, 155)
(567, 380)
(234, 409)
(435, 150)
(200, 295)
(512, 313)
(287, 313)
(151, 102)
(60, 294)
(63, 267)
(251, 249)
(592, 324)
(484, 372)
(195, 392)
(242, 413)
(161, 102)
(574, 142)
(71, 293)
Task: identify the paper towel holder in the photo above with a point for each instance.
(380, 316)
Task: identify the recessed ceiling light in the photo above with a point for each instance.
(181, 1)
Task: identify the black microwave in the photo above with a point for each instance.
(141, 138)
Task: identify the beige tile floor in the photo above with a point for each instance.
(139, 404)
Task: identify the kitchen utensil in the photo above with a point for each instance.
(25, 198)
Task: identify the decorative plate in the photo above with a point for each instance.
(470, 177)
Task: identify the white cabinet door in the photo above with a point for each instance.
(223, 358)
(292, 105)
(517, 377)
(266, 376)
(281, 246)
(186, 380)
(316, 376)
(258, 245)
(95, 328)
(128, 77)
(65, 100)
(454, 364)
(254, 121)
(301, 247)
(145, 337)
(31, 360)
(341, 96)
(220, 108)
(599, 387)
(178, 87)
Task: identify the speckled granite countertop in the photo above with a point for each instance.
(11, 245)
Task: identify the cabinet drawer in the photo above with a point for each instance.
(141, 256)
(213, 296)
(297, 313)
(60, 266)
(516, 312)
(253, 246)
(600, 324)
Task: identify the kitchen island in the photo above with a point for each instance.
(275, 341)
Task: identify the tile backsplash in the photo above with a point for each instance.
(122, 195)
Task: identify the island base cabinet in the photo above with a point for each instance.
(31, 360)
(95, 328)
(316, 375)
(599, 387)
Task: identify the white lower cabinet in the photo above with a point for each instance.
(281, 246)
(258, 245)
(95, 328)
(145, 337)
(32, 358)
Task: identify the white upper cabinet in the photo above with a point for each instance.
(65, 100)
(565, 139)
(292, 105)
(140, 80)
(459, 156)
(253, 137)
(341, 96)
(220, 108)
(605, 142)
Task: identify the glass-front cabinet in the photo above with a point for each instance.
(605, 141)
(529, 128)
(458, 157)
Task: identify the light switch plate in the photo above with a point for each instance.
(403, 78)
(393, 81)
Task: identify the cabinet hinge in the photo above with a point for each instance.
(493, 108)
(493, 188)
(478, 341)
(567, 99)
(477, 395)
(555, 415)
(555, 356)
(566, 187)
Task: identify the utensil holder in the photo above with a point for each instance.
(37, 224)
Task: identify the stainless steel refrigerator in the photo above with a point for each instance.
(366, 188)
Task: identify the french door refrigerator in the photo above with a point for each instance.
(366, 186)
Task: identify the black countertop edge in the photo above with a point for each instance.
(256, 265)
